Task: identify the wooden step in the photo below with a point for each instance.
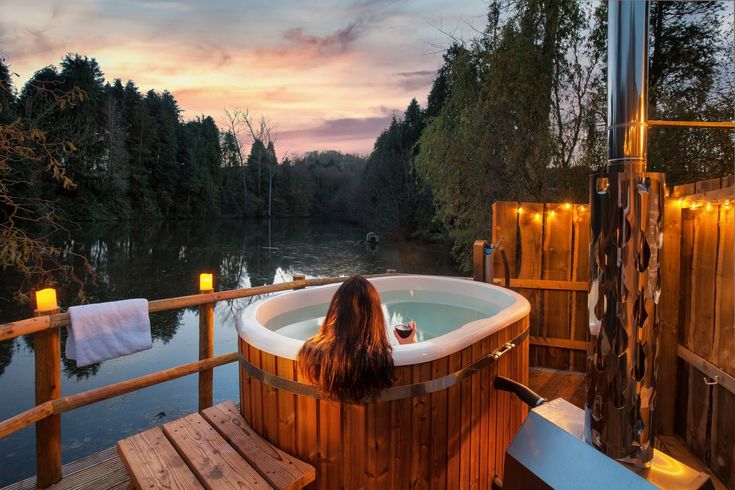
(280, 469)
(216, 464)
(214, 450)
(153, 462)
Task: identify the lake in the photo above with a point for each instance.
(162, 260)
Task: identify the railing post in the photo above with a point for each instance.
(299, 278)
(47, 344)
(478, 261)
(206, 346)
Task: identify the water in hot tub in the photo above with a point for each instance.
(435, 314)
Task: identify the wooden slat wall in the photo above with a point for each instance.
(707, 328)
(696, 308)
(547, 242)
(452, 439)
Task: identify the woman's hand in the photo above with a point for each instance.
(411, 338)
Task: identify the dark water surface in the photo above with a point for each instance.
(162, 260)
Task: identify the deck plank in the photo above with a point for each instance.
(100, 470)
(210, 457)
(280, 469)
(152, 462)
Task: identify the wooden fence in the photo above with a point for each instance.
(547, 248)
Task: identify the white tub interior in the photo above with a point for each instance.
(451, 313)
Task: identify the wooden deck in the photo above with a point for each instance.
(555, 383)
(105, 470)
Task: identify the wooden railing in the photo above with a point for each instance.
(50, 404)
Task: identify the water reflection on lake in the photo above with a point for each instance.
(164, 259)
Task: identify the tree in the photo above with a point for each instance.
(493, 136)
(7, 94)
(114, 162)
(263, 153)
(394, 200)
(690, 79)
(27, 155)
(687, 42)
(234, 152)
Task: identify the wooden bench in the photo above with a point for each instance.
(215, 450)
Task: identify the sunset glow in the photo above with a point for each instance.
(328, 75)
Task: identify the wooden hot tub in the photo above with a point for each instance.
(452, 437)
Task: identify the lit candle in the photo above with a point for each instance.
(205, 282)
(46, 300)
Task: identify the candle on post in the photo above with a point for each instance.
(206, 341)
(47, 344)
(46, 301)
(205, 283)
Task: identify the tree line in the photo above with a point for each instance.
(516, 113)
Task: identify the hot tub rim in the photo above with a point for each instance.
(403, 355)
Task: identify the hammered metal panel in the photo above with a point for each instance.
(626, 225)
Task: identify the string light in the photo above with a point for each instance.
(519, 210)
(726, 204)
(708, 207)
(567, 205)
(537, 216)
(552, 213)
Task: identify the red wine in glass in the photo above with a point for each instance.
(403, 330)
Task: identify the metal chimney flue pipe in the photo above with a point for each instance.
(626, 205)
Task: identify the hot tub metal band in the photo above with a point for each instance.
(396, 392)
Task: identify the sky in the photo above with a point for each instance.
(325, 74)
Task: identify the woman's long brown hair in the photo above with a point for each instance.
(350, 358)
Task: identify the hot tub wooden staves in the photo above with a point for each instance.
(453, 439)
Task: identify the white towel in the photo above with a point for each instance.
(108, 330)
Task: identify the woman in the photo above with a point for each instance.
(350, 358)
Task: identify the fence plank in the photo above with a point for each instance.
(724, 341)
(556, 265)
(700, 335)
(528, 264)
(698, 406)
(504, 222)
(668, 310)
(579, 321)
(685, 274)
(723, 435)
(708, 185)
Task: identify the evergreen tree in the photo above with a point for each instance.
(7, 94)
(114, 162)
